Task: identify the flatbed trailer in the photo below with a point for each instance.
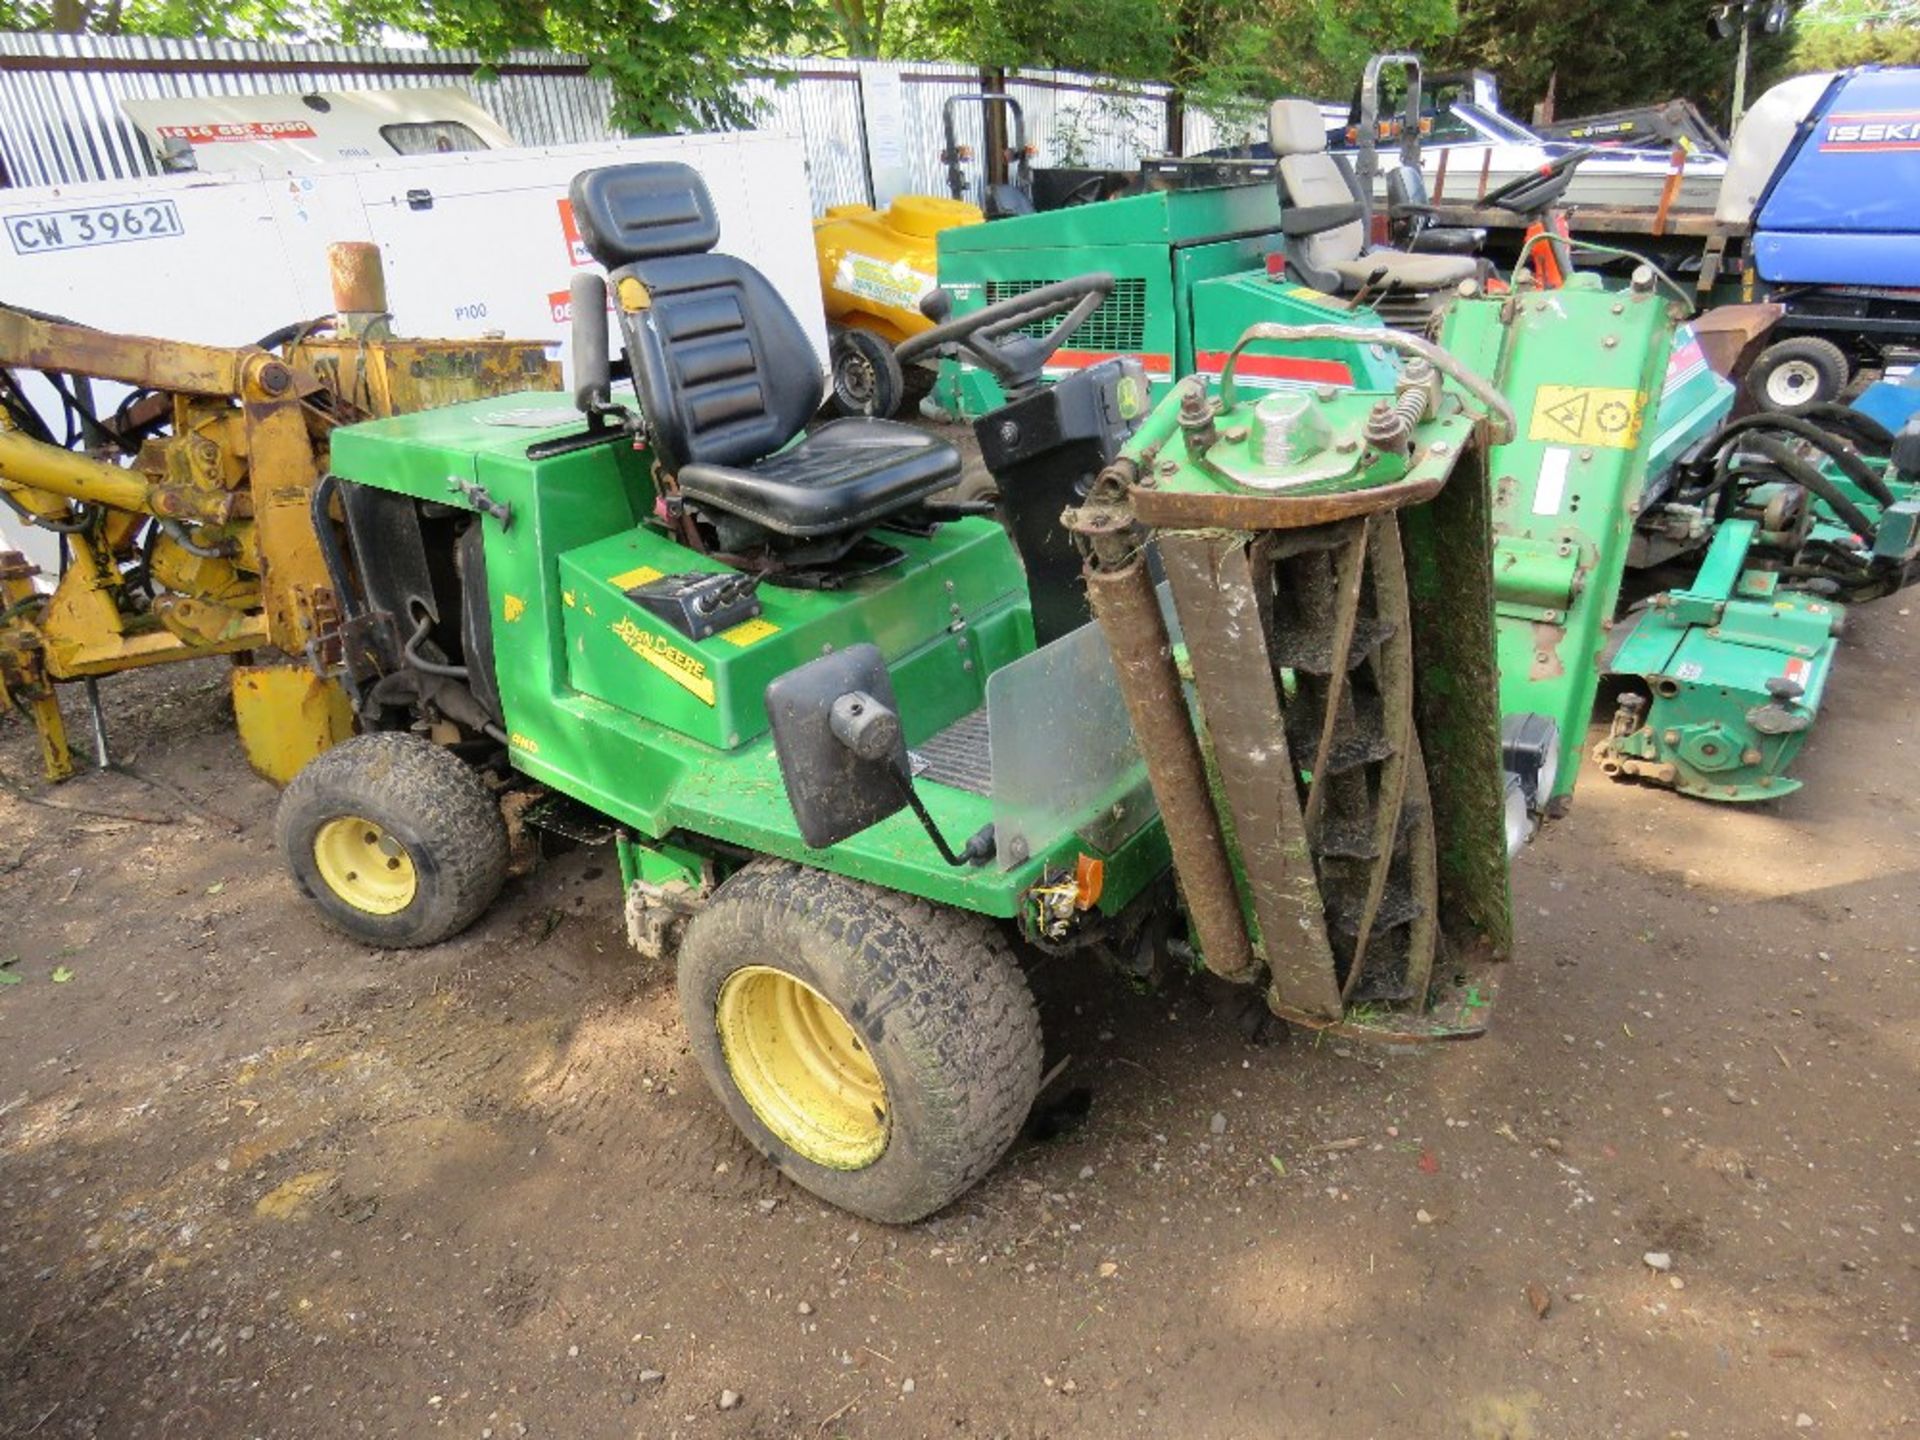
(1595, 220)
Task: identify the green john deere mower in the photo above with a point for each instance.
(1220, 692)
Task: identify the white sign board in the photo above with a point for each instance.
(473, 243)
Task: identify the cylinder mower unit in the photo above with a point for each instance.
(876, 266)
(1720, 680)
(185, 513)
(850, 739)
(1333, 795)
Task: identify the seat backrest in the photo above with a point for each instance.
(725, 373)
(1309, 176)
(1406, 190)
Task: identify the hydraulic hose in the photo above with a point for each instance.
(177, 533)
(1825, 441)
(1867, 432)
(82, 518)
(320, 510)
(411, 650)
(1782, 456)
(274, 339)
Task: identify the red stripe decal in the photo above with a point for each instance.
(1080, 359)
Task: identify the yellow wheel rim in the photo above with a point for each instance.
(365, 866)
(802, 1068)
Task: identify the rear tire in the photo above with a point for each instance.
(867, 380)
(910, 1053)
(1795, 374)
(394, 838)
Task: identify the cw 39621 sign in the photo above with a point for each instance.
(48, 230)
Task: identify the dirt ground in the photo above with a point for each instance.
(258, 1181)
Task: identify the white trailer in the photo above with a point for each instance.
(321, 127)
(474, 243)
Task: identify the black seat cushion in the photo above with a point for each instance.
(845, 475)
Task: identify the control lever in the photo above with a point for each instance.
(871, 730)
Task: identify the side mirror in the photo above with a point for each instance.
(592, 370)
(837, 735)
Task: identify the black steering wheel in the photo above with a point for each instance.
(1538, 188)
(990, 336)
(1087, 192)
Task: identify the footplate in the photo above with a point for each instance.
(1332, 792)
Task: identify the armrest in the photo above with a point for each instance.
(1302, 220)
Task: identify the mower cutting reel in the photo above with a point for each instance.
(1332, 640)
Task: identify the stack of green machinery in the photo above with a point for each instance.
(1221, 691)
(1625, 470)
(1190, 276)
(1721, 678)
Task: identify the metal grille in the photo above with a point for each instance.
(60, 118)
(958, 756)
(1120, 324)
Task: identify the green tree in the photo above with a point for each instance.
(1225, 56)
(244, 20)
(672, 66)
(1601, 54)
(1834, 34)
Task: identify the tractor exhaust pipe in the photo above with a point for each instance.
(359, 278)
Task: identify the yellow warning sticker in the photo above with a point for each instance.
(627, 579)
(683, 669)
(748, 631)
(1586, 415)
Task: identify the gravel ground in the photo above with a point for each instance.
(257, 1180)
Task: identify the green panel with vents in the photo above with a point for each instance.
(1156, 246)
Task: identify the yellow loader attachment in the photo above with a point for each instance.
(185, 516)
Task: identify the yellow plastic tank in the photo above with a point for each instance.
(876, 264)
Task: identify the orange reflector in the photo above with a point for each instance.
(1089, 878)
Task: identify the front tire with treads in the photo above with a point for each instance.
(396, 839)
(882, 1050)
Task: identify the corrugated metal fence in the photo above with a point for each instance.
(60, 116)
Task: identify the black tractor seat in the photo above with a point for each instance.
(727, 379)
(848, 474)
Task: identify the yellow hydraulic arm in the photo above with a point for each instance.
(186, 520)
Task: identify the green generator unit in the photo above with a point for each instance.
(1190, 270)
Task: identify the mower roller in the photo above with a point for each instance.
(808, 703)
